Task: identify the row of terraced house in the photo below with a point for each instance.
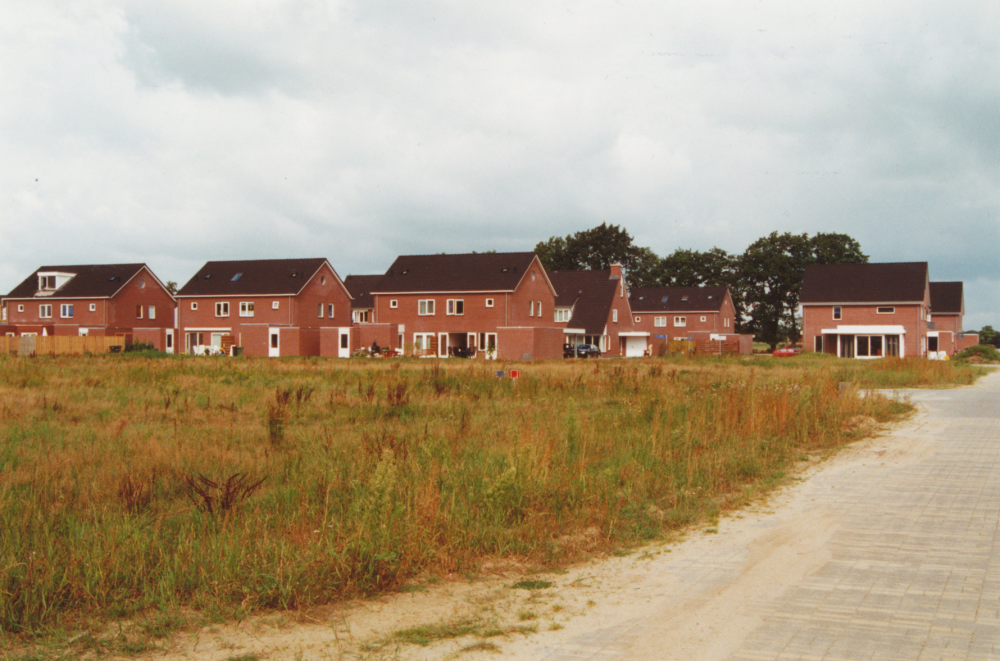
(482, 305)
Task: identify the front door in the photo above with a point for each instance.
(274, 343)
(344, 346)
(170, 341)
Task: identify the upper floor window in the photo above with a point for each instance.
(194, 305)
(222, 309)
(838, 313)
(275, 305)
(45, 311)
(456, 306)
(393, 303)
(614, 316)
(246, 308)
(562, 314)
(885, 310)
(329, 310)
(152, 312)
(93, 307)
(539, 308)
(638, 319)
(489, 302)
(659, 321)
(725, 322)
(425, 306)
(46, 282)
(138, 312)
(319, 312)
(680, 321)
(66, 310)
(704, 318)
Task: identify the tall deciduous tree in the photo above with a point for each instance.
(771, 272)
(596, 249)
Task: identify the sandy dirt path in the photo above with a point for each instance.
(843, 543)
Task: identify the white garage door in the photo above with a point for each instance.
(635, 347)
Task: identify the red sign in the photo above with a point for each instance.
(514, 374)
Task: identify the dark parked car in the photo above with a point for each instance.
(581, 351)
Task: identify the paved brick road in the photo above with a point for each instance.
(902, 561)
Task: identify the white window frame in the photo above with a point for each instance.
(638, 319)
(45, 311)
(320, 310)
(393, 304)
(838, 313)
(138, 312)
(63, 309)
(152, 312)
(489, 302)
(330, 310)
(194, 305)
(20, 308)
(531, 308)
(725, 322)
(614, 316)
(246, 308)
(660, 322)
(539, 308)
(704, 318)
(885, 309)
(222, 308)
(680, 322)
(455, 307)
(425, 307)
(275, 305)
(93, 307)
(561, 315)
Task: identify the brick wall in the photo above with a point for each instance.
(817, 317)
(529, 343)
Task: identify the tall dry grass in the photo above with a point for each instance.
(130, 483)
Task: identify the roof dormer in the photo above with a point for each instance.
(49, 282)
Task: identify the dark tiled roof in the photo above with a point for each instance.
(455, 273)
(361, 287)
(864, 283)
(946, 298)
(91, 280)
(258, 277)
(677, 299)
(589, 293)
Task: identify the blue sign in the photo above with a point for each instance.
(661, 337)
(499, 374)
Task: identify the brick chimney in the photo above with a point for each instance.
(616, 271)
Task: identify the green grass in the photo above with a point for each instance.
(169, 491)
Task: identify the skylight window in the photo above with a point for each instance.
(208, 275)
(235, 277)
(664, 299)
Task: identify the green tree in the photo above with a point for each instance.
(771, 271)
(596, 249)
(171, 287)
(989, 336)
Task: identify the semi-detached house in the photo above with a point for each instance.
(592, 307)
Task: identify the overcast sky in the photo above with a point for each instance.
(178, 132)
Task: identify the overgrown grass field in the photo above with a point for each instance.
(132, 485)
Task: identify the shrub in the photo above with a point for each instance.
(981, 353)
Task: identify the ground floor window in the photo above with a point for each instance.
(818, 344)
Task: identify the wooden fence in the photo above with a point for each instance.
(51, 345)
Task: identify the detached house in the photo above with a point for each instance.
(270, 307)
(95, 299)
(866, 310)
(483, 305)
(701, 314)
(945, 336)
(592, 307)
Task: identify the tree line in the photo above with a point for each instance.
(765, 281)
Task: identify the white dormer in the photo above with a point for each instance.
(50, 282)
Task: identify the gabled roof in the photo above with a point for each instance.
(946, 298)
(898, 282)
(88, 281)
(472, 272)
(256, 277)
(677, 299)
(589, 293)
(361, 287)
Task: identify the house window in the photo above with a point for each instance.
(142, 284)
(837, 313)
(489, 302)
(425, 307)
(345, 341)
(885, 310)
(531, 308)
(725, 322)
(66, 310)
(46, 282)
(638, 319)
(246, 308)
(329, 310)
(393, 304)
(680, 321)
(818, 344)
(222, 309)
(614, 316)
(319, 312)
(322, 279)
(194, 305)
(456, 306)
(539, 308)
(152, 312)
(275, 305)
(45, 311)
(138, 312)
(562, 314)
(20, 308)
(659, 322)
(93, 307)
(704, 318)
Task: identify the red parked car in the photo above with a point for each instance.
(788, 351)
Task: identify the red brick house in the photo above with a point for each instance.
(362, 303)
(270, 307)
(702, 314)
(93, 299)
(866, 310)
(483, 304)
(946, 338)
(592, 307)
